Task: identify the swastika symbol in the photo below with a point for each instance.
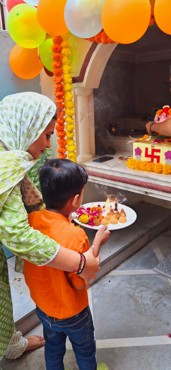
(154, 155)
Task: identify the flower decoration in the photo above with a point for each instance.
(162, 114)
(134, 164)
(65, 126)
(102, 38)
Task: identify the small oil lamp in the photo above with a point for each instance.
(107, 205)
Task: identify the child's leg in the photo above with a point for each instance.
(55, 343)
(54, 349)
(81, 335)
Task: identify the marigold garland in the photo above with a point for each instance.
(102, 38)
(134, 164)
(65, 126)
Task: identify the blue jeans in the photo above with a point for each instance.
(80, 331)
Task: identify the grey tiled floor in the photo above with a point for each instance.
(131, 307)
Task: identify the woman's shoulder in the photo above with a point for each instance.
(2, 147)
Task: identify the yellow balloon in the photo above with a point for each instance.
(125, 21)
(24, 27)
(162, 15)
(25, 63)
(45, 53)
(50, 14)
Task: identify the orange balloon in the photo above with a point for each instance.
(25, 63)
(162, 15)
(125, 21)
(50, 14)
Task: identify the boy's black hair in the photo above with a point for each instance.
(60, 179)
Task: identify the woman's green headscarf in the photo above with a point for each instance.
(23, 117)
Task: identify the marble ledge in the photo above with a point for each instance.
(115, 173)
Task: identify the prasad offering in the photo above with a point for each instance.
(114, 215)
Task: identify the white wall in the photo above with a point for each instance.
(9, 83)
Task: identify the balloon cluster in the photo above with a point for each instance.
(33, 23)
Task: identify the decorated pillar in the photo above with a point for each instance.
(84, 122)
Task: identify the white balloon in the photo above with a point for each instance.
(83, 17)
(32, 2)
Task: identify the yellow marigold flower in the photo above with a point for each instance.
(84, 218)
(64, 43)
(67, 78)
(69, 119)
(72, 156)
(66, 69)
(68, 97)
(70, 142)
(67, 87)
(66, 61)
(70, 127)
(69, 112)
(69, 104)
(71, 148)
(69, 135)
(66, 51)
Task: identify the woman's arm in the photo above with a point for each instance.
(161, 128)
(24, 241)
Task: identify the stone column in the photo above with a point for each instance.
(84, 122)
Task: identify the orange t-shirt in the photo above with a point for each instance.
(54, 291)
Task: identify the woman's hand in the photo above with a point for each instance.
(148, 126)
(161, 128)
(92, 261)
(92, 266)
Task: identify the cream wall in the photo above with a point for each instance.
(9, 83)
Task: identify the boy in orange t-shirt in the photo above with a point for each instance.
(61, 297)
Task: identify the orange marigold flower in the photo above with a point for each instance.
(61, 150)
(57, 40)
(62, 142)
(158, 167)
(57, 48)
(166, 169)
(61, 155)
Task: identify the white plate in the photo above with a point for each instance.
(131, 217)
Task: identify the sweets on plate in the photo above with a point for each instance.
(97, 215)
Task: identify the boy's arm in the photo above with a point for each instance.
(101, 238)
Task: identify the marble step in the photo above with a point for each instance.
(151, 221)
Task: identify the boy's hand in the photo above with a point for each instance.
(101, 238)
